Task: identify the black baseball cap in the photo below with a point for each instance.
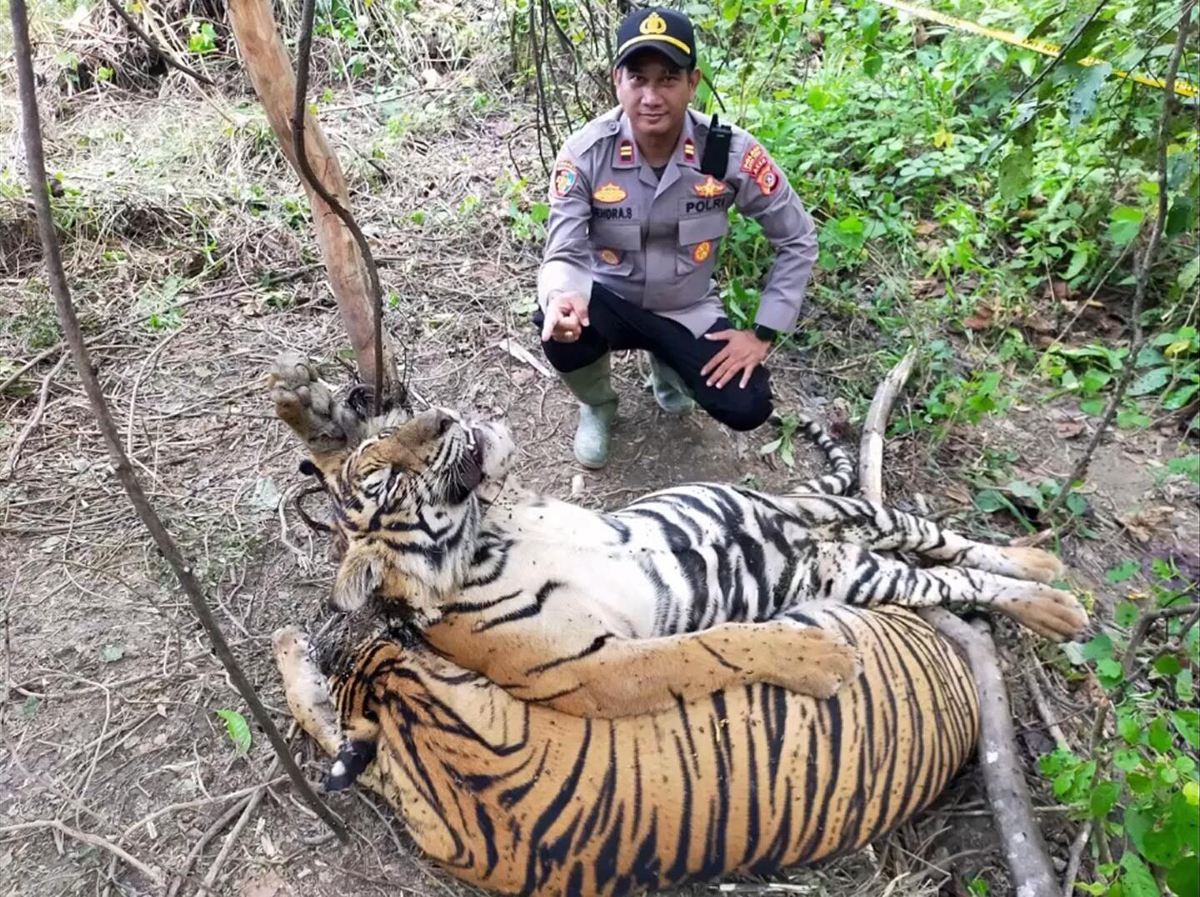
(665, 30)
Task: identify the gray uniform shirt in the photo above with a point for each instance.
(655, 242)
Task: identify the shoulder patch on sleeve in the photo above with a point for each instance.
(758, 165)
(564, 178)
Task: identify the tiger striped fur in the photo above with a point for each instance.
(608, 614)
(520, 798)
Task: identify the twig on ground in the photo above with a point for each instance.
(870, 453)
(1024, 847)
(36, 165)
(84, 837)
(1043, 707)
(252, 803)
(14, 453)
(1075, 857)
(1145, 264)
(166, 57)
(31, 363)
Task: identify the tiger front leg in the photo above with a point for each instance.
(856, 576)
(308, 406)
(627, 677)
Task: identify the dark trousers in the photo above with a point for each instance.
(617, 324)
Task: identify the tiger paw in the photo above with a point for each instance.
(1036, 565)
(813, 661)
(1051, 613)
(306, 404)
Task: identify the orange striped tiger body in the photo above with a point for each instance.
(521, 798)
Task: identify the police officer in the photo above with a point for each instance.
(638, 201)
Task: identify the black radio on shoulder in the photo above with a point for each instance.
(716, 149)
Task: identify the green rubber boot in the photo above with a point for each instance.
(592, 385)
(669, 390)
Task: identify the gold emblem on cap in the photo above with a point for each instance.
(653, 24)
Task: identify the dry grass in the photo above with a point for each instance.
(192, 262)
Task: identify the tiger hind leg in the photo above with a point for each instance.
(880, 528)
(854, 575)
(307, 693)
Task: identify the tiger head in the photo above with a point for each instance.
(405, 501)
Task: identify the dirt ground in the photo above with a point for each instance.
(192, 270)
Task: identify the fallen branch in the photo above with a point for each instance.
(36, 163)
(166, 57)
(1024, 848)
(870, 453)
(83, 837)
(14, 453)
(1145, 264)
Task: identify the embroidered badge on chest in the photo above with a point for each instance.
(709, 187)
(610, 192)
(610, 256)
(564, 178)
(689, 152)
(702, 251)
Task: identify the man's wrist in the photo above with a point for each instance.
(764, 333)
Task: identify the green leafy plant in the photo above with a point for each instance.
(1139, 785)
(236, 727)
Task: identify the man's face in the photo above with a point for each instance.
(654, 93)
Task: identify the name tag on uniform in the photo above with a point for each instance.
(612, 213)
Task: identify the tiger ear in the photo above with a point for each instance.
(360, 574)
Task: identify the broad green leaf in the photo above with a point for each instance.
(1187, 724)
(1187, 276)
(1099, 645)
(1016, 173)
(1083, 96)
(1159, 735)
(1087, 40)
(1167, 665)
(1043, 27)
(817, 98)
(238, 729)
(1109, 671)
(1184, 687)
(1162, 846)
(1103, 797)
(1137, 880)
(868, 21)
(1124, 224)
(1127, 759)
(1191, 793)
(771, 446)
(1021, 489)
(1079, 259)
(1151, 381)
(1128, 728)
(1130, 416)
(1184, 877)
(1181, 217)
(1125, 613)
(1138, 782)
(872, 62)
(1123, 571)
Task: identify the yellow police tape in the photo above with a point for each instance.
(1182, 87)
